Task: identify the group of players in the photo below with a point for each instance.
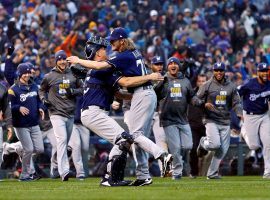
(60, 90)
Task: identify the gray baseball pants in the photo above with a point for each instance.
(1, 145)
(179, 137)
(31, 139)
(218, 140)
(62, 127)
(98, 121)
(139, 119)
(79, 143)
(256, 131)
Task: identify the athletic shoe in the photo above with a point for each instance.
(192, 176)
(108, 183)
(26, 179)
(81, 178)
(65, 177)
(176, 177)
(213, 177)
(166, 160)
(35, 176)
(201, 151)
(267, 176)
(142, 182)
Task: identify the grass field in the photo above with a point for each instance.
(231, 188)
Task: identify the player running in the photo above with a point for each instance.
(256, 126)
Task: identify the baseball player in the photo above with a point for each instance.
(26, 108)
(220, 96)
(256, 126)
(158, 131)
(99, 89)
(58, 91)
(129, 62)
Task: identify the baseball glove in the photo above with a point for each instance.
(79, 71)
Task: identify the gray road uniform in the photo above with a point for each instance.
(224, 97)
(175, 95)
(55, 91)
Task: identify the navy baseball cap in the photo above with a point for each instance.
(23, 68)
(175, 60)
(262, 67)
(118, 33)
(219, 66)
(61, 54)
(156, 60)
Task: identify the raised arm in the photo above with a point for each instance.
(89, 63)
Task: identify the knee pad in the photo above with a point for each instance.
(124, 137)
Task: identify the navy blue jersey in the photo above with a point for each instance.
(255, 96)
(26, 96)
(129, 63)
(99, 88)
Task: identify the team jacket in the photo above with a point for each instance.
(26, 96)
(53, 88)
(4, 105)
(255, 96)
(175, 95)
(224, 97)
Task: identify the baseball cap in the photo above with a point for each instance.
(219, 66)
(61, 54)
(175, 60)
(262, 67)
(187, 10)
(153, 13)
(156, 60)
(118, 33)
(23, 68)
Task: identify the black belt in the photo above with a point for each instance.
(255, 113)
(102, 108)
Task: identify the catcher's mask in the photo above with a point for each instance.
(93, 44)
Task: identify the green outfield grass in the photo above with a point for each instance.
(231, 188)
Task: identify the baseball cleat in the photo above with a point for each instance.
(35, 176)
(166, 162)
(267, 176)
(65, 177)
(142, 182)
(109, 183)
(26, 179)
(214, 177)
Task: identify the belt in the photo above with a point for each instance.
(254, 113)
(146, 87)
(102, 108)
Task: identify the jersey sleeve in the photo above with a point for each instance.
(118, 61)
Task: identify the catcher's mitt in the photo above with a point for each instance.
(79, 71)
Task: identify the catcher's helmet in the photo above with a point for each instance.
(93, 44)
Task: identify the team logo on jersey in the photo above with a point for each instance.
(254, 97)
(23, 97)
(176, 91)
(221, 98)
(63, 86)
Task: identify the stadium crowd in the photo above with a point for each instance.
(199, 33)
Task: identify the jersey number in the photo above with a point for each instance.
(141, 64)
